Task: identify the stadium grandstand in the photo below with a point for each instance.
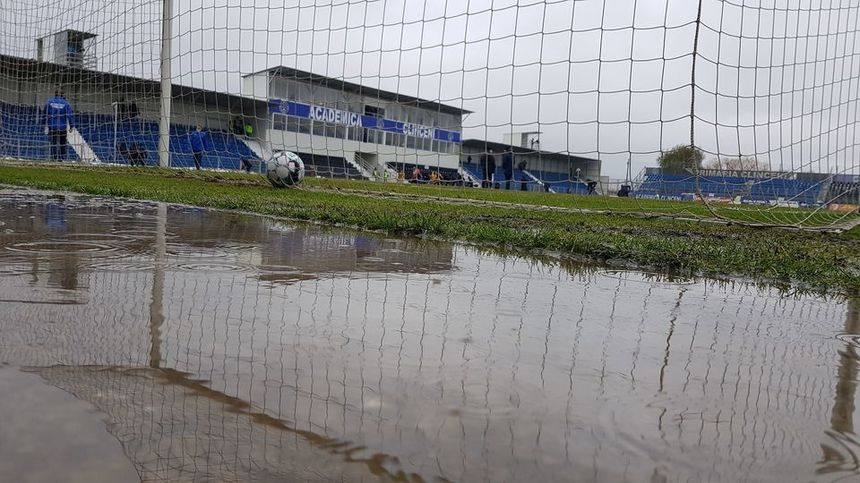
(747, 187)
(341, 129)
(541, 170)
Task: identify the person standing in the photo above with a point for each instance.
(488, 162)
(523, 179)
(198, 139)
(508, 167)
(482, 161)
(58, 118)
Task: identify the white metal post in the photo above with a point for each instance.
(166, 86)
(115, 123)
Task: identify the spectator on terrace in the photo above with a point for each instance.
(136, 155)
(434, 177)
(488, 162)
(133, 110)
(417, 175)
(58, 118)
(124, 151)
(456, 179)
(238, 126)
(401, 176)
(592, 187)
(126, 110)
(624, 191)
(198, 138)
(508, 167)
(523, 179)
(247, 163)
(133, 153)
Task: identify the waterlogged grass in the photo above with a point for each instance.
(822, 261)
(808, 217)
(742, 213)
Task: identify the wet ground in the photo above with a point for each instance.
(176, 344)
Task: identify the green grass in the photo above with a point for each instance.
(800, 259)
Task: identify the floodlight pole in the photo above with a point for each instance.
(166, 86)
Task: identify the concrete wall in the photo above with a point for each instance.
(344, 148)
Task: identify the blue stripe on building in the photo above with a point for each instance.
(298, 109)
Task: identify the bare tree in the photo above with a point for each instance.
(745, 163)
(681, 159)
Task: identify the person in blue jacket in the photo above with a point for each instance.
(58, 118)
(198, 138)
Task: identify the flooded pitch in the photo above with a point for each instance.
(177, 344)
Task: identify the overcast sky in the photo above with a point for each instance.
(777, 79)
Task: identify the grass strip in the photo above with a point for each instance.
(817, 261)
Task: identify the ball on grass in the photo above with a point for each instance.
(285, 169)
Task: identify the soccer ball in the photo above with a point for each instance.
(285, 169)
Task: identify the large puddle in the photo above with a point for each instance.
(223, 347)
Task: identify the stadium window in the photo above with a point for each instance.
(279, 122)
(355, 133)
(373, 136)
(394, 139)
(331, 130)
(426, 144)
(411, 142)
(319, 128)
(374, 111)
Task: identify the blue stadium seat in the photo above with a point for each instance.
(21, 136)
(804, 192)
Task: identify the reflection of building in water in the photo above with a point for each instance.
(500, 370)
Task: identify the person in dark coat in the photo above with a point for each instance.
(58, 118)
(488, 162)
(133, 153)
(524, 181)
(508, 167)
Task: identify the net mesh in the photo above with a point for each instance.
(738, 109)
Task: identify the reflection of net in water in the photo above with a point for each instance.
(498, 370)
(174, 428)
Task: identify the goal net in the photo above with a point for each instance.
(733, 109)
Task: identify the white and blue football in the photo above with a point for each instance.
(285, 169)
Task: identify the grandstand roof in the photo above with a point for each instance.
(346, 86)
(480, 145)
(47, 72)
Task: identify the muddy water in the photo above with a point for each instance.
(220, 347)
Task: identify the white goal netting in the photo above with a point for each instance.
(748, 107)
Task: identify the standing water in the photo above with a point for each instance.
(178, 344)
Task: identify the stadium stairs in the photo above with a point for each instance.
(328, 167)
(537, 180)
(448, 174)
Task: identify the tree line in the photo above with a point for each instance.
(686, 159)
